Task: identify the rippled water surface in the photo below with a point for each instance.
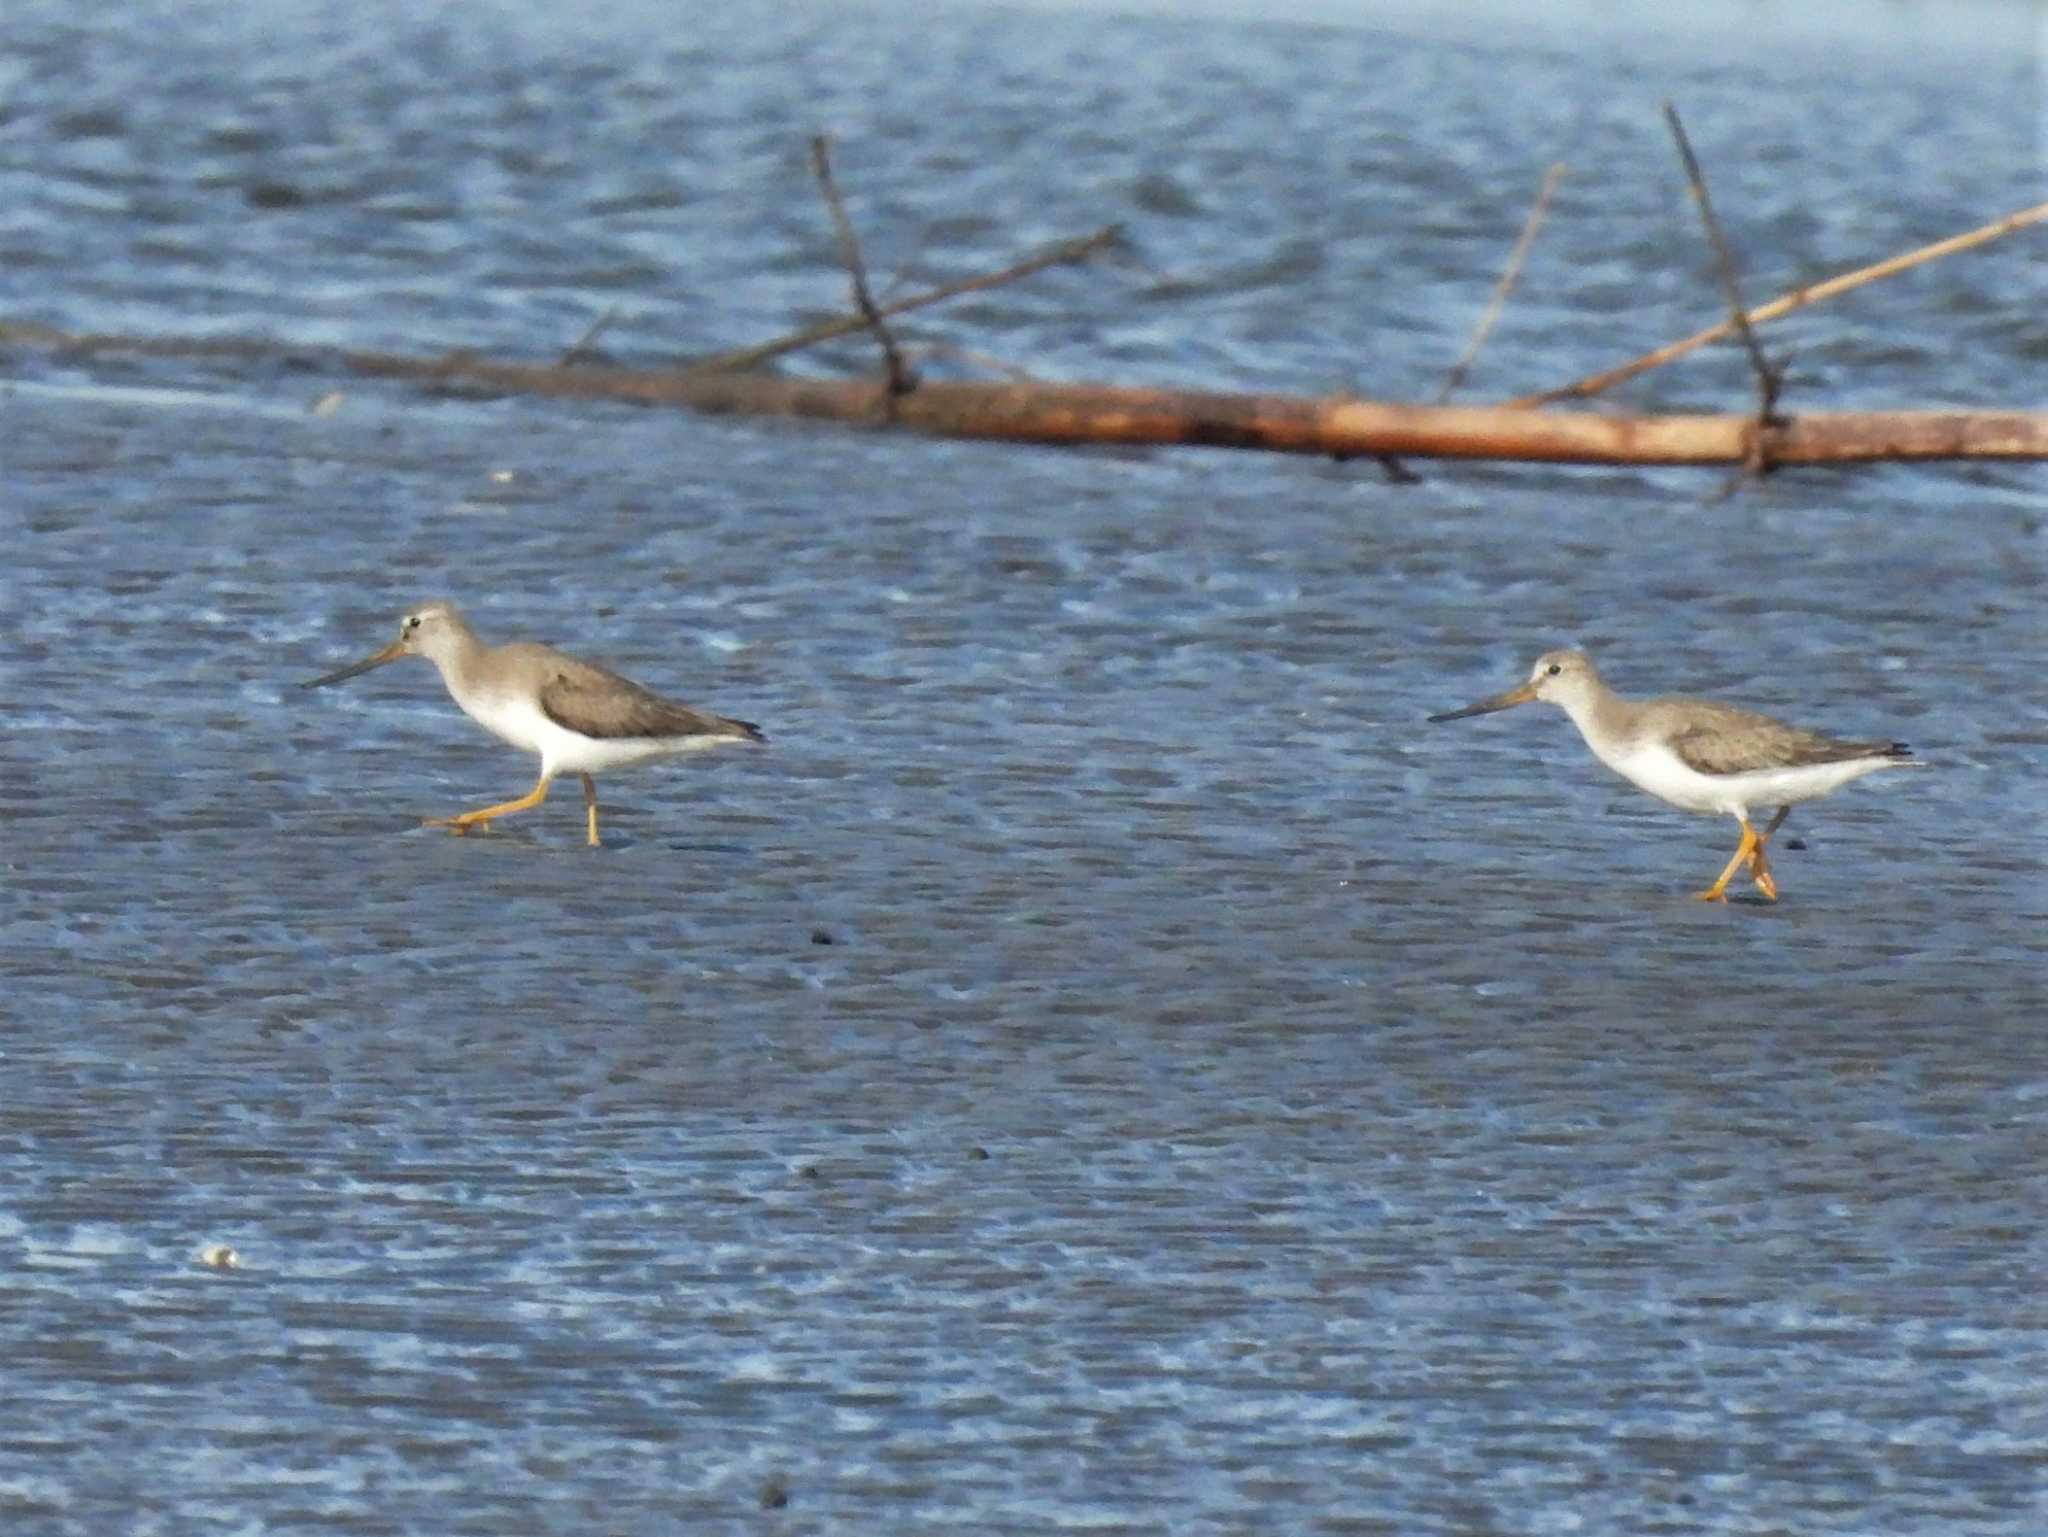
(1106, 1064)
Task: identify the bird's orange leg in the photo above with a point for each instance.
(590, 806)
(1758, 870)
(485, 814)
(1745, 851)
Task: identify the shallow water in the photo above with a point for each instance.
(1107, 1063)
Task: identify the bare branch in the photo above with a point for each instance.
(580, 348)
(1061, 253)
(1768, 378)
(900, 380)
(1786, 303)
(1508, 277)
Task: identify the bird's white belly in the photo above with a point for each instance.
(1664, 774)
(520, 722)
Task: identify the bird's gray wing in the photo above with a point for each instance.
(1720, 739)
(599, 703)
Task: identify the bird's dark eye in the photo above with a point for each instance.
(1555, 669)
(412, 622)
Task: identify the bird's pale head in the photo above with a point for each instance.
(432, 630)
(1559, 677)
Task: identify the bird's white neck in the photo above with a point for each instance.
(455, 658)
(1604, 720)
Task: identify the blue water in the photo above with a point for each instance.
(1107, 1064)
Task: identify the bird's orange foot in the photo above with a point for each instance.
(1748, 853)
(456, 825)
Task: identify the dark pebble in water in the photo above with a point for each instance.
(774, 1494)
(977, 1154)
(822, 937)
(273, 194)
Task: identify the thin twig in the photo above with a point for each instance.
(1508, 277)
(1786, 303)
(900, 380)
(907, 269)
(1078, 249)
(581, 346)
(982, 360)
(1768, 378)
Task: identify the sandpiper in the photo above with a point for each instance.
(575, 715)
(1697, 754)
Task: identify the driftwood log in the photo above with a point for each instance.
(1338, 427)
(1026, 412)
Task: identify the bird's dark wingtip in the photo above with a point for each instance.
(1898, 750)
(752, 732)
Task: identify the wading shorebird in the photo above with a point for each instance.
(575, 715)
(1697, 754)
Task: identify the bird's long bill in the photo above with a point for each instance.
(390, 653)
(1507, 701)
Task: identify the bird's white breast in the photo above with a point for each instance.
(512, 718)
(1654, 767)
